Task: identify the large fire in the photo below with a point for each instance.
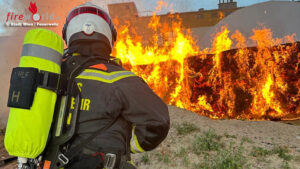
(259, 83)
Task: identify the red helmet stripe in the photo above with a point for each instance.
(88, 10)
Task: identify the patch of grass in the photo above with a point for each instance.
(166, 159)
(145, 158)
(247, 139)
(159, 156)
(186, 161)
(259, 152)
(230, 158)
(285, 165)
(229, 136)
(208, 141)
(181, 153)
(186, 128)
(200, 166)
(163, 158)
(282, 152)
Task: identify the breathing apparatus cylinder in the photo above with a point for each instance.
(31, 104)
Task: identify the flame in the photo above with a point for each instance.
(221, 15)
(32, 8)
(247, 83)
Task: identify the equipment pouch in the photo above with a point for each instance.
(23, 85)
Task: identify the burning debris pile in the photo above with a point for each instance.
(258, 83)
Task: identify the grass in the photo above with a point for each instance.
(280, 150)
(285, 165)
(208, 141)
(230, 158)
(163, 158)
(217, 155)
(181, 153)
(247, 139)
(186, 128)
(259, 152)
(229, 136)
(186, 161)
(166, 159)
(159, 156)
(145, 158)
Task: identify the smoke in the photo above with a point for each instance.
(9, 6)
(11, 39)
(10, 42)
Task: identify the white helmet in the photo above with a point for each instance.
(89, 21)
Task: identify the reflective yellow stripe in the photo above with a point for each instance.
(138, 145)
(104, 76)
(102, 72)
(131, 162)
(132, 150)
(69, 119)
(104, 80)
(134, 144)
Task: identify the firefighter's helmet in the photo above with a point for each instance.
(89, 22)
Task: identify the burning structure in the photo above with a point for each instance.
(197, 21)
(259, 82)
(192, 61)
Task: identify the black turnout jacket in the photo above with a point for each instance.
(110, 93)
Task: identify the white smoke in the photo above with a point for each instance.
(10, 47)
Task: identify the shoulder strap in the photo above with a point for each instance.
(77, 149)
(87, 61)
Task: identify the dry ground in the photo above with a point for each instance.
(199, 142)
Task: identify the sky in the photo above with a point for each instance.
(145, 7)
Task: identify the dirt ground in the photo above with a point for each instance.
(198, 142)
(263, 144)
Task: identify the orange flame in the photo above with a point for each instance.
(221, 15)
(247, 83)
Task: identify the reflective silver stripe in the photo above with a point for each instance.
(107, 77)
(134, 144)
(42, 52)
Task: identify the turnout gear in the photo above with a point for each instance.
(32, 94)
(119, 113)
(140, 118)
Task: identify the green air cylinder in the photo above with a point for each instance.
(28, 129)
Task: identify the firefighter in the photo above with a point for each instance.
(137, 119)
